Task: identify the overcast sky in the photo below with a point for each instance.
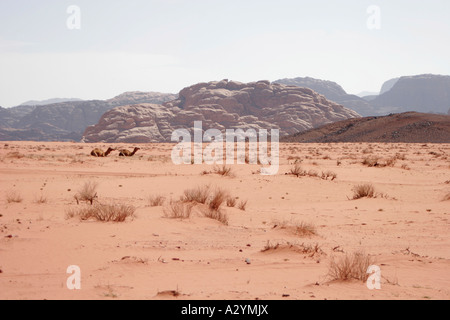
(166, 45)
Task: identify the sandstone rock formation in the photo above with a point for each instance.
(220, 105)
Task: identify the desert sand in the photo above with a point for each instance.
(259, 254)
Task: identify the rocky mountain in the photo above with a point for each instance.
(332, 91)
(220, 105)
(410, 127)
(388, 85)
(422, 93)
(67, 120)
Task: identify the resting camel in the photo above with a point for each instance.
(99, 152)
(127, 153)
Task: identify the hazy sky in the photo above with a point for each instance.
(166, 45)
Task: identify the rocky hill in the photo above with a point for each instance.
(411, 127)
(332, 91)
(67, 120)
(422, 93)
(220, 105)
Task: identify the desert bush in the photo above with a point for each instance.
(41, 199)
(304, 229)
(218, 215)
(350, 267)
(242, 205)
(178, 210)
(308, 249)
(198, 194)
(13, 196)
(231, 201)
(371, 161)
(363, 191)
(329, 174)
(103, 212)
(223, 171)
(88, 192)
(296, 170)
(218, 197)
(447, 197)
(156, 201)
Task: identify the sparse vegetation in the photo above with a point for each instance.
(87, 193)
(199, 194)
(223, 171)
(329, 174)
(447, 197)
(178, 210)
(303, 229)
(13, 196)
(242, 205)
(41, 199)
(309, 249)
(103, 212)
(217, 199)
(366, 190)
(218, 215)
(156, 201)
(231, 201)
(350, 267)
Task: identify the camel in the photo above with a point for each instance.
(99, 152)
(127, 153)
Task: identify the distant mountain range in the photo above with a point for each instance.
(293, 105)
(422, 93)
(65, 121)
(48, 101)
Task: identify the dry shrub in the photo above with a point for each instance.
(242, 205)
(156, 201)
(103, 212)
(15, 155)
(309, 249)
(87, 193)
(217, 199)
(41, 199)
(297, 171)
(363, 191)
(223, 171)
(371, 161)
(329, 174)
(447, 197)
(350, 267)
(178, 210)
(199, 194)
(299, 228)
(231, 202)
(218, 215)
(13, 196)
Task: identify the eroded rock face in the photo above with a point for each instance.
(220, 105)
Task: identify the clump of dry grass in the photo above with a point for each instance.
(88, 192)
(199, 194)
(218, 197)
(178, 210)
(350, 267)
(297, 171)
(329, 174)
(302, 228)
(371, 161)
(366, 190)
(242, 205)
(447, 197)
(231, 201)
(309, 249)
(156, 201)
(223, 171)
(218, 215)
(13, 196)
(41, 199)
(103, 212)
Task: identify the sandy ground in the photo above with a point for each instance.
(149, 256)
